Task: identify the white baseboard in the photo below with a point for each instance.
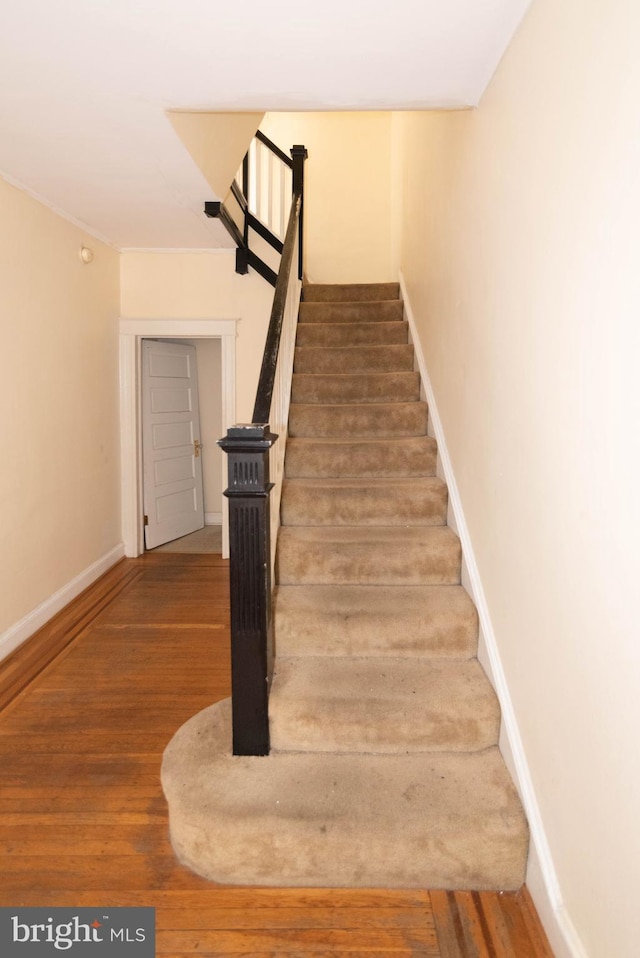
(213, 518)
(34, 620)
(542, 879)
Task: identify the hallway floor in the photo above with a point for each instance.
(207, 539)
(83, 818)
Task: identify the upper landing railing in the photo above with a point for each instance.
(259, 204)
(256, 450)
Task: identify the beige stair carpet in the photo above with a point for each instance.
(384, 769)
(426, 820)
(360, 458)
(428, 621)
(358, 334)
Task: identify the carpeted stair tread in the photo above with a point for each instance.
(375, 312)
(352, 334)
(335, 502)
(379, 387)
(364, 458)
(353, 359)
(358, 420)
(363, 555)
(377, 705)
(439, 820)
(381, 620)
(349, 292)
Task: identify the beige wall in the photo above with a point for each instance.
(520, 250)
(60, 477)
(348, 215)
(202, 286)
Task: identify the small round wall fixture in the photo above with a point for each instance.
(86, 255)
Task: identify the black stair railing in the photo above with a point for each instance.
(255, 469)
(259, 205)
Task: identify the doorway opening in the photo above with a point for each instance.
(132, 332)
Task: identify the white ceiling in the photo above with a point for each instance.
(84, 86)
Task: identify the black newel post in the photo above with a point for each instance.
(250, 581)
(299, 155)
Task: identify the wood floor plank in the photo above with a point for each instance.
(499, 929)
(63, 816)
(83, 821)
(309, 941)
(539, 942)
(19, 770)
(449, 929)
(299, 918)
(76, 873)
(209, 895)
(474, 925)
(301, 952)
(20, 669)
(62, 841)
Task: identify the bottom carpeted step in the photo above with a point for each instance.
(448, 820)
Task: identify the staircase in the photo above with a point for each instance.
(384, 767)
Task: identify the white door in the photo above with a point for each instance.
(172, 466)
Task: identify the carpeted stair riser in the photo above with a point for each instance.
(356, 388)
(310, 555)
(441, 820)
(349, 292)
(361, 458)
(358, 334)
(386, 312)
(359, 620)
(400, 706)
(358, 421)
(353, 359)
(352, 502)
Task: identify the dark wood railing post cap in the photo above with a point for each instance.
(255, 436)
(248, 449)
(299, 150)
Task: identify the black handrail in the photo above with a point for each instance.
(239, 197)
(274, 149)
(248, 492)
(267, 378)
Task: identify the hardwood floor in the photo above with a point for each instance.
(83, 819)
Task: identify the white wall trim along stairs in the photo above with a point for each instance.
(542, 878)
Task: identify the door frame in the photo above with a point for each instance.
(132, 331)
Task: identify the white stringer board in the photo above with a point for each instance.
(172, 465)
